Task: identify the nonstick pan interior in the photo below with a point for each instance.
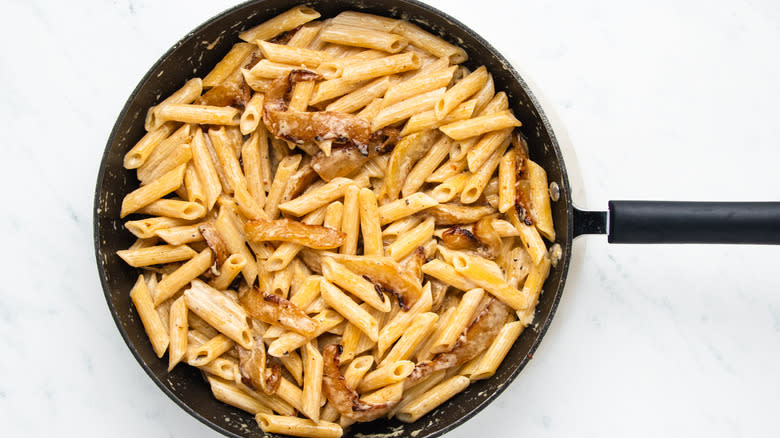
(194, 56)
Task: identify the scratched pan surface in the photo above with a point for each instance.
(194, 56)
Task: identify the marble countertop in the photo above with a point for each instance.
(661, 100)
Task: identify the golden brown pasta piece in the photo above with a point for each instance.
(474, 340)
(273, 309)
(286, 230)
(341, 396)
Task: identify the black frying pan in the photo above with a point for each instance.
(629, 221)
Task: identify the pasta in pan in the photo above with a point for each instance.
(341, 223)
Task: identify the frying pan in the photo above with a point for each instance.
(624, 222)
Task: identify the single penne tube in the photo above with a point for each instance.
(479, 125)
(333, 88)
(155, 255)
(205, 168)
(408, 242)
(461, 91)
(312, 381)
(361, 97)
(540, 199)
(153, 191)
(533, 287)
(404, 207)
(448, 169)
(530, 237)
(199, 114)
(253, 166)
(301, 94)
(447, 274)
(316, 198)
(369, 21)
(497, 351)
(356, 370)
(483, 273)
(334, 215)
(147, 228)
(421, 387)
(284, 171)
(485, 147)
(193, 186)
(223, 146)
(293, 55)
(294, 365)
(308, 292)
(291, 341)
(403, 110)
(426, 165)
(419, 84)
(350, 339)
(401, 226)
(507, 174)
(484, 95)
(464, 313)
(446, 316)
(174, 208)
(427, 119)
(181, 235)
(140, 152)
(334, 69)
(179, 278)
(227, 65)
(371, 110)
(209, 350)
(178, 329)
(408, 150)
(396, 326)
(305, 34)
(235, 242)
(296, 426)
(504, 228)
(227, 392)
(430, 43)
(369, 223)
(228, 271)
(142, 300)
(267, 69)
(350, 310)
(417, 332)
(428, 401)
(480, 178)
(191, 90)
(252, 114)
(280, 286)
(389, 374)
(382, 67)
(220, 312)
(281, 23)
(363, 37)
(451, 187)
(355, 284)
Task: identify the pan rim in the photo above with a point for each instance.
(566, 189)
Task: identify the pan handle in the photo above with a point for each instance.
(694, 222)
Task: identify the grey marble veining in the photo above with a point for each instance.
(664, 100)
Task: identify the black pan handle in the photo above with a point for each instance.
(683, 222)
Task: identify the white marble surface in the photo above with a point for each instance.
(662, 100)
